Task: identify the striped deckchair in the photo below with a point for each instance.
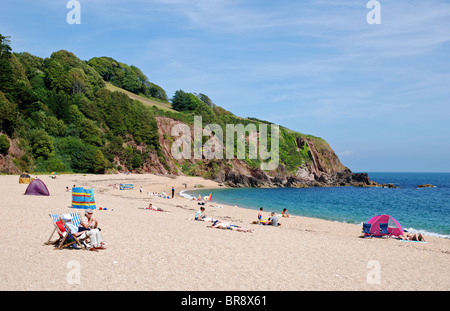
(66, 238)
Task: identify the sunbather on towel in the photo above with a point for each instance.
(153, 208)
(412, 237)
(222, 225)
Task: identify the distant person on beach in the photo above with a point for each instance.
(199, 215)
(273, 220)
(222, 225)
(141, 189)
(260, 219)
(153, 208)
(412, 237)
(285, 213)
(173, 192)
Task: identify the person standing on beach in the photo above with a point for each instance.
(260, 214)
(173, 191)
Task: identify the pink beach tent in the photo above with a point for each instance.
(393, 226)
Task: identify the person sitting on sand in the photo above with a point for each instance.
(412, 237)
(153, 208)
(285, 213)
(222, 225)
(199, 215)
(93, 234)
(88, 222)
(273, 220)
(259, 217)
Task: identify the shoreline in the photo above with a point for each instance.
(150, 250)
(410, 230)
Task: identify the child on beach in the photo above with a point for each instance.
(199, 215)
(259, 217)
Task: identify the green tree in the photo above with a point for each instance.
(90, 133)
(5, 46)
(41, 144)
(5, 66)
(66, 72)
(99, 162)
(183, 101)
(4, 144)
(54, 126)
(8, 115)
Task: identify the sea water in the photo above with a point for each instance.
(418, 210)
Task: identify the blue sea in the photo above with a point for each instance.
(424, 210)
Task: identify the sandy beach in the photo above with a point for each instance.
(169, 251)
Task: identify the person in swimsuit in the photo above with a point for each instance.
(222, 225)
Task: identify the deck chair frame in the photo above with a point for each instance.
(366, 230)
(63, 236)
(384, 229)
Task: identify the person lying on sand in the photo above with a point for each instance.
(153, 208)
(412, 237)
(222, 225)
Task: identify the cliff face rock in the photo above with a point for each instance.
(323, 169)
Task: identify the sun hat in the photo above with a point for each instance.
(66, 217)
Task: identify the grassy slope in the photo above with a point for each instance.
(144, 100)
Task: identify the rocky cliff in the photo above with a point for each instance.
(322, 169)
(102, 116)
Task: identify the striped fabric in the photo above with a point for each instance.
(126, 186)
(83, 198)
(75, 218)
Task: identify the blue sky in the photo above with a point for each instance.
(379, 94)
